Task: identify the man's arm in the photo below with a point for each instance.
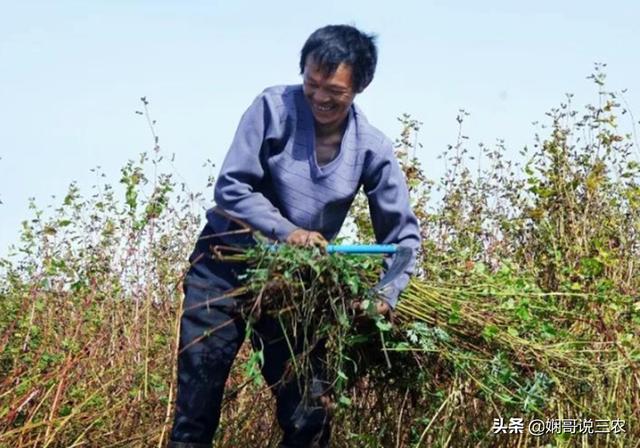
(242, 171)
(393, 220)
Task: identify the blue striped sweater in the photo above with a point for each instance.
(270, 178)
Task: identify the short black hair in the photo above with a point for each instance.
(332, 45)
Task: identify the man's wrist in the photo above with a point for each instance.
(283, 234)
(389, 295)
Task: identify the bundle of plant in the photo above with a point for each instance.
(482, 324)
(315, 297)
(506, 310)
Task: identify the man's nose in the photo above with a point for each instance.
(321, 96)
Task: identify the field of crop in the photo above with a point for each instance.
(520, 328)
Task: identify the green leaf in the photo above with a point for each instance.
(383, 324)
(490, 332)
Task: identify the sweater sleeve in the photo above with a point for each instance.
(242, 171)
(393, 220)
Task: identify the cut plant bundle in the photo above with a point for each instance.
(519, 346)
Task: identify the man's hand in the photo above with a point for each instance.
(308, 238)
(381, 308)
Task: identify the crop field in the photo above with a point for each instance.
(520, 328)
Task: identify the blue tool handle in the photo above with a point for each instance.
(361, 249)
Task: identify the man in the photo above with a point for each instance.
(298, 158)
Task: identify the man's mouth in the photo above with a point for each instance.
(323, 108)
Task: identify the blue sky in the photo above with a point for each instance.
(72, 73)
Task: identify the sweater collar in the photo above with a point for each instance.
(306, 124)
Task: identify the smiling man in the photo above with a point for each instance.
(299, 156)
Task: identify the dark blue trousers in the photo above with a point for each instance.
(212, 331)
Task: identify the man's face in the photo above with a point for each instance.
(329, 96)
